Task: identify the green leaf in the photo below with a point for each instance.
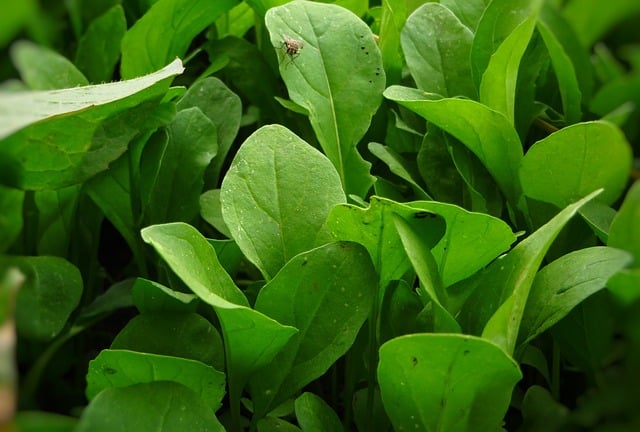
(576, 160)
(211, 211)
(159, 406)
(625, 234)
(173, 165)
(585, 336)
(40, 421)
(43, 69)
(118, 368)
(149, 296)
(392, 20)
(437, 48)
(337, 77)
(224, 108)
(269, 424)
(251, 339)
(496, 306)
(14, 16)
(51, 292)
(564, 283)
(372, 228)
(446, 382)
(468, 12)
(484, 131)
(326, 294)
(398, 166)
(66, 140)
(499, 79)
(591, 20)
(165, 32)
(56, 219)
(11, 221)
(540, 411)
(314, 415)
(499, 20)
(99, 47)
(563, 52)
(426, 268)
(177, 334)
(276, 197)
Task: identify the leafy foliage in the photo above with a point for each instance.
(319, 216)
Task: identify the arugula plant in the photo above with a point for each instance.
(328, 216)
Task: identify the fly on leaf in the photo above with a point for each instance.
(291, 47)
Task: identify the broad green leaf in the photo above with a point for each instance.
(260, 7)
(426, 268)
(99, 47)
(73, 133)
(43, 69)
(441, 382)
(11, 221)
(83, 12)
(564, 283)
(165, 32)
(326, 294)
(149, 296)
(437, 47)
(51, 292)
(193, 259)
(599, 217)
(499, 79)
(251, 339)
(471, 241)
(398, 166)
(173, 165)
(499, 20)
(119, 368)
(591, 19)
(486, 132)
(154, 406)
(617, 94)
(237, 22)
(373, 228)
(468, 12)
(337, 76)
(314, 415)
(496, 306)
(460, 245)
(625, 234)
(576, 160)
(276, 197)
(224, 108)
(177, 334)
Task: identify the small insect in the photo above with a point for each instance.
(291, 47)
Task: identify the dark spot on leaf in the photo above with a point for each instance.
(377, 73)
(414, 360)
(110, 371)
(361, 47)
(370, 81)
(367, 52)
(466, 352)
(424, 214)
(305, 261)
